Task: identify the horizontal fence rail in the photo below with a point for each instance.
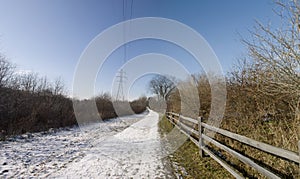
(193, 129)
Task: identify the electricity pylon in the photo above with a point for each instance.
(121, 81)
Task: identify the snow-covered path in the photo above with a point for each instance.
(132, 153)
(104, 150)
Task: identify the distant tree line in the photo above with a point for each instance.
(30, 103)
(107, 108)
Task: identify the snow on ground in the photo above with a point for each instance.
(127, 147)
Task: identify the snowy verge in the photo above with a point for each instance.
(41, 154)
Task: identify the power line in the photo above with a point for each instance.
(124, 30)
(121, 74)
(131, 9)
(121, 80)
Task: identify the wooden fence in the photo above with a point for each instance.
(197, 136)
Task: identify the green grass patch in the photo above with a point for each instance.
(186, 161)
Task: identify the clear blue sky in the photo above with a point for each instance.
(48, 36)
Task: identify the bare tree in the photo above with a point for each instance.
(58, 87)
(14, 82)
(276, 56)
(44, 86)
(6, 71)
(29, 82)
(161, 86)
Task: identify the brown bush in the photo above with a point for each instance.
(29, 103)
(263, 94)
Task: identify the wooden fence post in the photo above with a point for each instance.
(201, 152)
(178, 121)
(299, 157)
(173, 118)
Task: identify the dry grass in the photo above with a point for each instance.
(186, 160)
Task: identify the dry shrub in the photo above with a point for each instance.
(263, 94)
(29, 103)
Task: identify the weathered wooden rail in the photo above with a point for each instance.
(199, 138)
